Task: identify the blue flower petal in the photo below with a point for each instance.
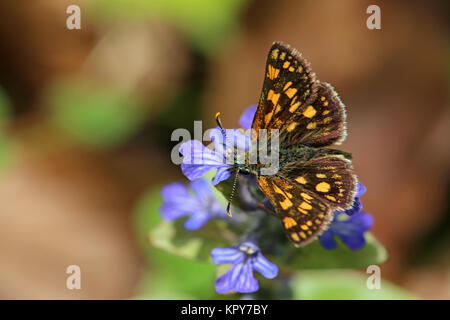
(218, 139)
(198, 160)
(177, 201)
(197, 220)
(247, 116)
(227, 255)
(195, 171)
(221, 175)
(327, 240)
(174, 189)
(200, 206)
(363, 220)
(170, 212)
(357, 206)
(360, 189)
(352, 230)
(217, 209)
(244, 259)
(268, 269)
(202, 190)
(194, 152)
(227, 282)
(246, 282)
(223, 283)
(234, 138)
(354, 242)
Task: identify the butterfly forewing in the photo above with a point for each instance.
(288, 83)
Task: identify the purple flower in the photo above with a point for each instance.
(247, 116)
(350, 225)
(243, 259)
(201, 206)
(351, 230)
(198, 159)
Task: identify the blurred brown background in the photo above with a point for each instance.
(70, 183)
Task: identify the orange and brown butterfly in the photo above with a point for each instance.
(313, 179)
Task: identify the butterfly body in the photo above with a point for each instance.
(312, 179)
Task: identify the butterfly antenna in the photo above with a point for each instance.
(219, 123)
(232, 193)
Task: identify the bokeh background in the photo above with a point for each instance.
(86, 117)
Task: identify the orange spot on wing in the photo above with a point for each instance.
(289, 222)
(323, 187)
(294, 107)
(291, 126)
(291, 92)
(311, 125)
(295, 236)
(309, 112)
(301, 180)
(287, 85)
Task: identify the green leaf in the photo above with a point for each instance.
(172, 277)
(93, 115)
(173, 238)
(147, 214)
(314, 256)
(342, 284)
(166, 277)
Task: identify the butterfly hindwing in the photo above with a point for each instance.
(303, 215)
(329, 177)
(319, 123)
(288, 83)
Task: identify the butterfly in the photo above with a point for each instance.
(313, 180)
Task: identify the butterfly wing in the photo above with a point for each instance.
(305, 194)
(313, 181)
(288, 84)
(306, 111)
(328, 176)
(319, 123)
(304, 215)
